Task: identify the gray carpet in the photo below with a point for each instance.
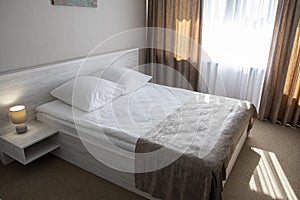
(267, 168)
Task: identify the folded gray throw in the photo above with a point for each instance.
(186, 156)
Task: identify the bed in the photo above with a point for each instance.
(108, 141)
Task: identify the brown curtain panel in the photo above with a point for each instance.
(280, 98)
(174, 37)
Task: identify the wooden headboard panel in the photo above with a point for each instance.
(32, 87)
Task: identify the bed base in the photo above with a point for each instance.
(73, 151)
(235, 154)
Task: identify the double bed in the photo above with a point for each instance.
(113, 142)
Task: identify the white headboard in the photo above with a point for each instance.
(32, 87)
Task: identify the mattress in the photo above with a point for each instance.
(120, 123)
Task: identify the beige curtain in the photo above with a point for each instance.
(280, 98)
(176, 42)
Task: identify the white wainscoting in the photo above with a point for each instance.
(32, 87)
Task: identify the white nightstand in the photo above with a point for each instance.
(29, 146)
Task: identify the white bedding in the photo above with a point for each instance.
(123, 121)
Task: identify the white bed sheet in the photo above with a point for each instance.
(123, 121)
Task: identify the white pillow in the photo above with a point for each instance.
(131, 79)
(88, 93)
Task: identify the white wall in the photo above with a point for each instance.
(34, 32)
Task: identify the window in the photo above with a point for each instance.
(235, 47)
(238, 32)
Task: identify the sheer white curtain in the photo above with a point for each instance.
(236, 41)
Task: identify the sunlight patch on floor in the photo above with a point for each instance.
(268, 178)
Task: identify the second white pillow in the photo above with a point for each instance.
(131, 79)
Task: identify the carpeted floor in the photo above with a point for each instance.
(267, 168)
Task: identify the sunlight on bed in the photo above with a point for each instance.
(269, 178)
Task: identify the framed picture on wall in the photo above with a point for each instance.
(81, 3)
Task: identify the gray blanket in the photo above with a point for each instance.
(186, 156)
